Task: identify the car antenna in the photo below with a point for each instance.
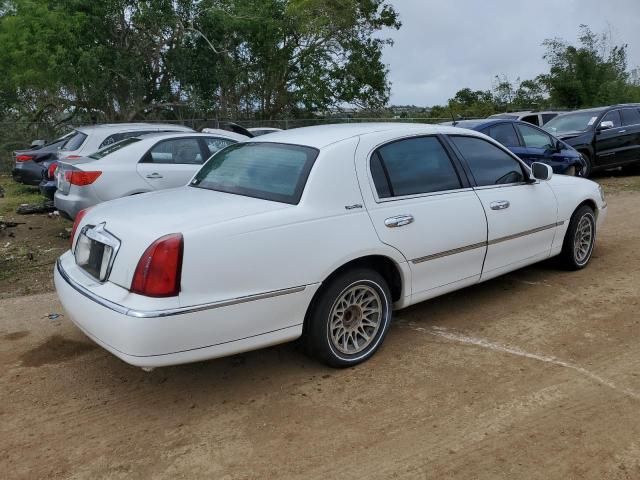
(454, 122)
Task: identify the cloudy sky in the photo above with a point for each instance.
(444, 46)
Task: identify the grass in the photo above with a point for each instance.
(15, 194)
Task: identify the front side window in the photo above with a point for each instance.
(534, 138)
(612, 116)
(413, 166)
(75, 141)
(179, 150)
(270, 171)
(505, 134)
(489, 164)
(215, 144)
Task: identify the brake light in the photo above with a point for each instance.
(51, 171)
(80, 215)
(80, 177)
(24, 158)
(159, 270)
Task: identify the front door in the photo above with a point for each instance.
(423, 207)
(610, 141)
(521, 216)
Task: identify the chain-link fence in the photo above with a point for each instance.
(20, 135)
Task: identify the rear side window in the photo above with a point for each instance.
(116, 137)
(548, 116)
(179, 150)
(215, 144)
(413, 166)
(103, 152)
(270, 171)
(630, 116)
(505, 134)
(489, 164)
(532, 119)
(75, 141)
(534, 138)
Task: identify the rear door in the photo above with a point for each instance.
(171, 163)
(424, 207)
(631, 134)
(521, 216)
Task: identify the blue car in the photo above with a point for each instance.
(530, 143)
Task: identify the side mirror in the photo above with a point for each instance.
(541, 171)
(606, 125)
(559, 146)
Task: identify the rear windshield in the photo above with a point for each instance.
(103, 152)
(270, 171)
(75, 141)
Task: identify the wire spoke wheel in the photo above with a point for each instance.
(355, 318)
(583, 239)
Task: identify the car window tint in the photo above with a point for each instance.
(215, 144)
(612, 116)
(505, 134)
(108, 150)
(412, 166)
(534, 138)
(548, 116)
(270, 171)
(630, 116)
(489, 164)
(75, 142)
(532, 119)
(180, 150)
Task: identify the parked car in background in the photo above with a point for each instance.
(81, 141)
(317, 232)
(530, 143)
(135, 165)
(257, 131)
(606, 137)
(28, 163)
(530, 116)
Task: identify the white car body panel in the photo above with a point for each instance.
(251, 267)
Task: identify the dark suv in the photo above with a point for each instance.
(606, 137)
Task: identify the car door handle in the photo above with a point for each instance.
(500, 205)
(398, 221)
(154, 175)
(622, 131)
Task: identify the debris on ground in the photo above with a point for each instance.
(1, 192)
(4, 225)
(29, 208)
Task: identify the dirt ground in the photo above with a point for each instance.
(535, 375)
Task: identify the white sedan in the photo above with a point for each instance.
(135, 165)
(318, 232)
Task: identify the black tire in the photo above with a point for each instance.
(576, 253)
(588, 169)
(323, 342)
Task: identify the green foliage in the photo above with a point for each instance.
(126, 59)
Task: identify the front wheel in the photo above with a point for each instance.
(588, 165)
(580, 239)
(350, 318)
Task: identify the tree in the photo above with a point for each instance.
(593, 73)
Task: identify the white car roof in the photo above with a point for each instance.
(323, 135)
(107, 128)
(209, 133)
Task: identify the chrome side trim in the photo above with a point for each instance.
(116, 307)
(524, 234)
(455, 251)
(449, 252)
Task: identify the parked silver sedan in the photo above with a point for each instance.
(135, 165)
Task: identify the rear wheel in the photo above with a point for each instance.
(580, 239)
(348, 321)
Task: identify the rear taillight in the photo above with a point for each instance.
(72, 157)
(81, 178)
(80, 215)
(24, 158)
(160, 268)
(51, 171)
